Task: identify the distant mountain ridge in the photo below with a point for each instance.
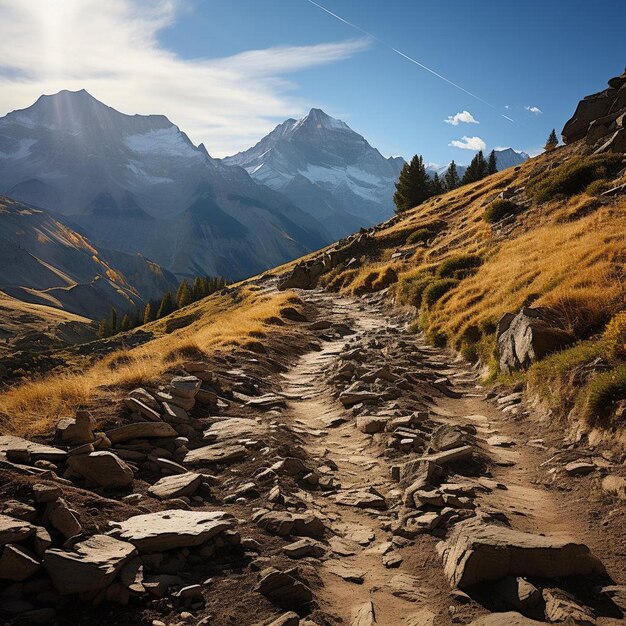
(136, 183)
(327, 169)
(505, 158)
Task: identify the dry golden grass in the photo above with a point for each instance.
(221, 322)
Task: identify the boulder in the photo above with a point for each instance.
(46, 493)
(510, 618)
(176, 486)
(282, 523)
(287, 619)
(370, 424)
(304, 547)
(562, 607)
(365, 615)
(63, 518)
(17, 563)
(77, 430)
(185, 386)
(145, 397)
(36, 451)
(91, 565)
(367, 498)
(528, 336)
(140, 430)
(102, 468)
(137, 406)
(517, 593)
(283, 588)
(477, 552)
(350, 398)
(614, 485)
(216, 454)
(14, 530)
(166, 530)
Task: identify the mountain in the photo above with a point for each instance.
(505, 158)
(44, 262)
(136, 183)
(327, 169)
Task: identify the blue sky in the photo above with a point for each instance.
(192, 60)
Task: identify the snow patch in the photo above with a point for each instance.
(167, 142)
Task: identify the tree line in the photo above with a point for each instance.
(201, 287)
(414, 185)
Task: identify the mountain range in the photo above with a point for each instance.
(505, 158)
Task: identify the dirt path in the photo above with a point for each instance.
(371, 575)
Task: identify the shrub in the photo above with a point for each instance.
(458, 266)
(597, 187)
(421, 235)
(573, 176)
(602, 394)
(615, 336)
(411, 288)
(469, 351)
(498, 210)
(385, 278)
(437, 289)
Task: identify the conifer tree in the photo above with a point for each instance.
(492, 163)
(113, 322)
(451, 177)
(197, 289)
(103, 329)
(552, 142)
(183, 296)
(476, 170)
(436, 186)
(147, 313)
(166, 307)
(126, 323)
(413, 186)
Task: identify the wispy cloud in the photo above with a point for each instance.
(534, 109)
(464, 116)
(112, 49)
(469, 143)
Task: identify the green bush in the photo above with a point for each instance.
(411, 288)
(499, 209)
(573, 176)
(421, 235)
(602, 393)
(458, 266)
(597, 187)
(437, 289)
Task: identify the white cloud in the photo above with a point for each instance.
(464, 116)
(469, 143)
(534, 109)
(112, 50)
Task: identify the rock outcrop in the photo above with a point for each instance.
(600, 119)
(528, 336)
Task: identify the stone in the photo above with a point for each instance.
(407, 587)
(185, 386)
(146, 398)
(184, 403)
(446, 438)
(41, 541)
(91, 565)
(14, 530)
(347, 572)
(176, 486)
(174, 414)
(477, 552)
(463, 453)
(63, 519)
(76, 430)
(17, 563)
(282, 588)
(216, 454)
(614, 485)
(102, 468)
(304, 547)
(137, 406)
(370, 424)
(500, 441)
(517, 593)
(350, 398)
(175, 528)
(19, 510)
(46, 493)
(267, 402)
(282, 523)
(510, 618)
(287, 619)
(365, 615)
(36, 451)
(528, 336)
(140, 430)
(580, 468)
(617, 593)
(367, 498)
(131, 575)
(562, 607)
(422, 617)
(190, 592)
(289, 466)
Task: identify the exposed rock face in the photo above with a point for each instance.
(478, 552)
(90, 566)
(102, 468)
(600, 119)
(528, 336)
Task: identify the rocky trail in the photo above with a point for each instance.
(371, 480)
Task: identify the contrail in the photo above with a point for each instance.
(408, 58)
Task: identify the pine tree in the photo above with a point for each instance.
(147, 313)
(436, 186)
(196, 289)
(113, 322)
(103, 329)
(166, 307)
(126, 323)
(413, 186)
(552, 142)
(451, 177)
(492, 163)
(183, 296)
(476, 170)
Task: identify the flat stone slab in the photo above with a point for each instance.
(102, 468)
(509, 618)
(38, 451)
(90, 566)
(215, 454)
(233, 428)
(141, 430)
(166, 530)
(476, 552)
(14, 530)
(176, 486)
